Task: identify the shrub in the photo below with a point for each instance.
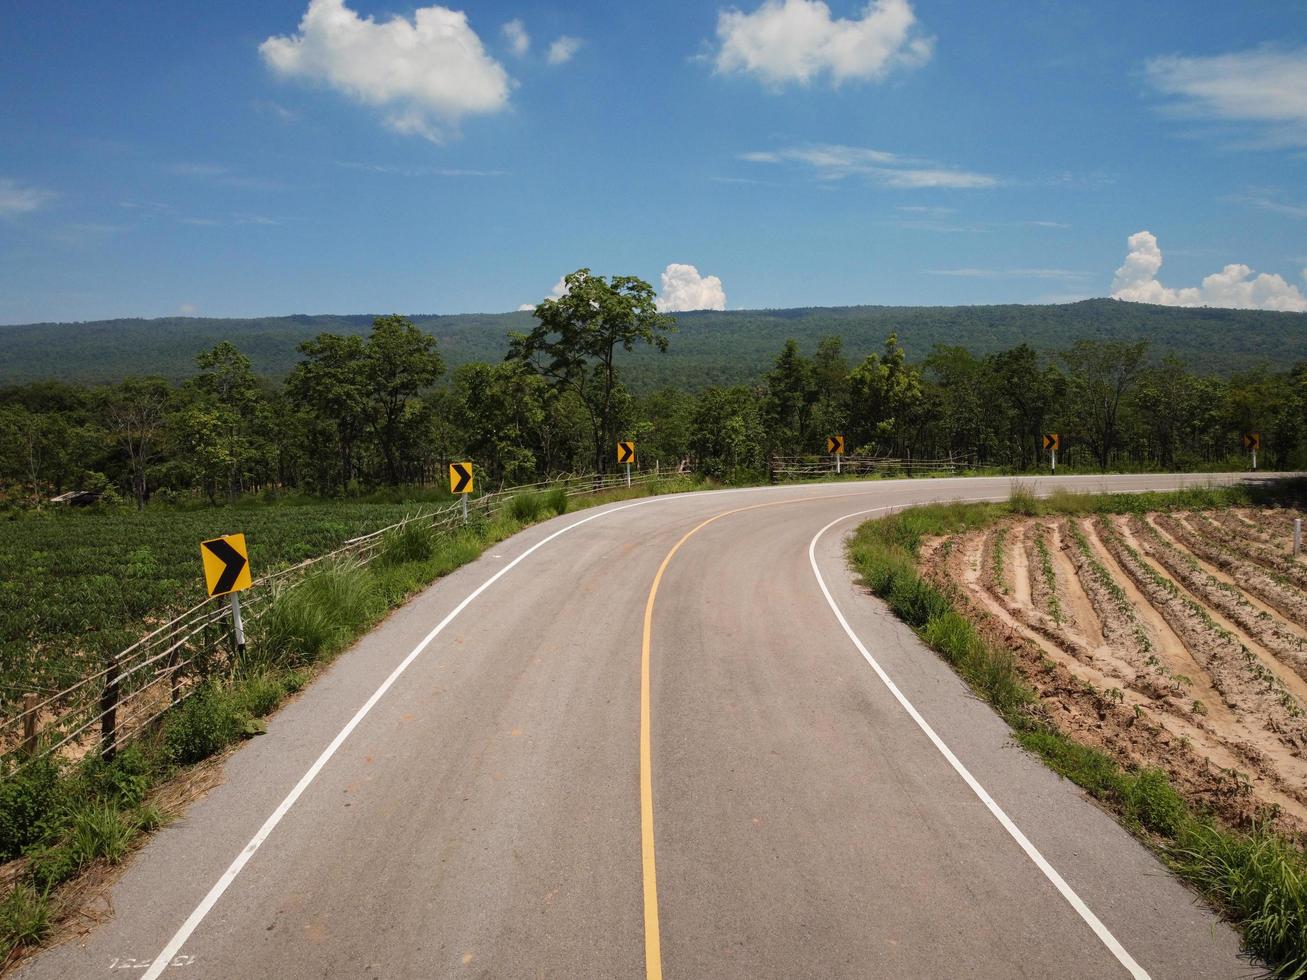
(411, 543)
(526, 508)
(125, 780)
(206, 722)
(556, 500)
(24, 918)
(318, 615)
(259, 693)
(29, 802)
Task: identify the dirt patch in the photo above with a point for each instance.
(1157, 640)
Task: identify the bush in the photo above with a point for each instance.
(205, 723)
(526, 508)
(30, 802)
(317, 616)
(259, 693)
(1150, 799)
(125, 780)
(915, 600)
(556, 500)
(414, 542)
(24, 918)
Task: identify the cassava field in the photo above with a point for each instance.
(1175, 640)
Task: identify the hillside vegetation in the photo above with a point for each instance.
(711, 348)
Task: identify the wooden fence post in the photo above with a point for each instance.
(109, 712)
(29, 724)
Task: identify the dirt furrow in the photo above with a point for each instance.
(1253, 579)
(1247, 686)
(1280, 565)
(1261, 627)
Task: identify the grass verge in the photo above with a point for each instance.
(57, 819)
(1256, 876)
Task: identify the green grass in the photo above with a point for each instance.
(1256, 876)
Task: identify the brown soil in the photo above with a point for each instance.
(1157, 640)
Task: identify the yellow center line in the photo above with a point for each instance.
(653, 953)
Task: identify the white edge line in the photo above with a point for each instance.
(165, 957)
(1074, 900)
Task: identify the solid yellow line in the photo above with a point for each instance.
(653, 953)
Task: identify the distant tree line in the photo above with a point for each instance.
(357, 413)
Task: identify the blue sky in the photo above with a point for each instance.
(280, 157)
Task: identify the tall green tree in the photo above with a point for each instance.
(885, 398)
(135, 412)
(1100, 374)
(575, 343)
(331, 387)
(399, 361)
(791, 395)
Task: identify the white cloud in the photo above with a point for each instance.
(833, 161)
(519, 41)
(1265, 89)
(798, 40)
(1233, 287)
(186, 309)
(684, 289)
(561, 51)
(427, 73)
(19, 198)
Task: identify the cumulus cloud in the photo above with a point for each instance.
(1265, 89)
(20, 198)
(519, 41)
(1234, 287)
(684, 289)
(561, 51)
(187, 309)
(798, 40)
(833, 161)
(426, 73)
(558, 292)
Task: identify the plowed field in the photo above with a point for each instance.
(1174, 640)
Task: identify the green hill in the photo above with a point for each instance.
(709, 348)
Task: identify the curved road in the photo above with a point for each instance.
(541, 768)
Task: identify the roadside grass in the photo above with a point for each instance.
(1257, 877)
(61, 818)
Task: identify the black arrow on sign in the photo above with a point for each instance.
(230, 557)
(464, 477)
(625, 452)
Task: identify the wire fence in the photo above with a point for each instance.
(133, 688)
(811, 467)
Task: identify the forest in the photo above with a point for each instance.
(712, 347)
(360, 412)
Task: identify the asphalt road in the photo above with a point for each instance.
(497, 810)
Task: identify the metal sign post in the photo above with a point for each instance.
(1297, 536)
(237, 622)
(626, 456)
(1052, 442)
(463, 497)
(835, 446)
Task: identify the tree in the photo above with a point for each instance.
(575, 343)
(1099, 375)
(330, 385)
(1027, 394)
(791, 394)
(136, 411)
(885, 396)
(399, 361)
